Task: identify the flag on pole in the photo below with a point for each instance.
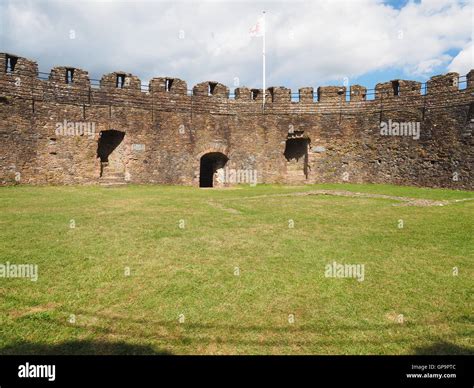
(258, 29)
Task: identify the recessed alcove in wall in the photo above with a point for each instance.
(209, 165)
(296, 154)
(108, 142)
(296, 149)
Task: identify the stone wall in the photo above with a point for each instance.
(50, 129)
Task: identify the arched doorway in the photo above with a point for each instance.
(209, 165)
(296, 154)
(109, 141)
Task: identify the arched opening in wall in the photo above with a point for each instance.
(296, 154)
(108, 142)
(210, 163)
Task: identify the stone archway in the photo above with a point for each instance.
(296, 155)
(210, 163)
(110, 152)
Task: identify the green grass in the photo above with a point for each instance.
(191, 271)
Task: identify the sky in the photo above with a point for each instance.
(308, 43)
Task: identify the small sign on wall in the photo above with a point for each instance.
(319, 149)
(138, 147)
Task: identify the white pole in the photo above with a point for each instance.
(263, 55)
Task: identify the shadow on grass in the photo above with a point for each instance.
(168, 333)
(81, 348)
(443, 348)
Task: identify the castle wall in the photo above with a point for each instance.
(167, 131)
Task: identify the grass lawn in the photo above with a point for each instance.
(182, 270)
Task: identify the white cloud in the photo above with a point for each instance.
(308, 42)
(425, 67)
(464, 61)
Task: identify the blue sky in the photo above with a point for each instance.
(309, 43)
(398, 4)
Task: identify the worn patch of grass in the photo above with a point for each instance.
(83, 302)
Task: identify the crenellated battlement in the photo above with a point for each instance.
(119, 81)
(63, 76)
(174, 86)
(13, 64)
(54, 126)
(20, 76)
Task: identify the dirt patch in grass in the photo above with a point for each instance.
(405, 201)
(223, 208)
(32, 310)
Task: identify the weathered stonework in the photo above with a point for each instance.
(62, 130)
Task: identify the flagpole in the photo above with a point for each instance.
(263, 57)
